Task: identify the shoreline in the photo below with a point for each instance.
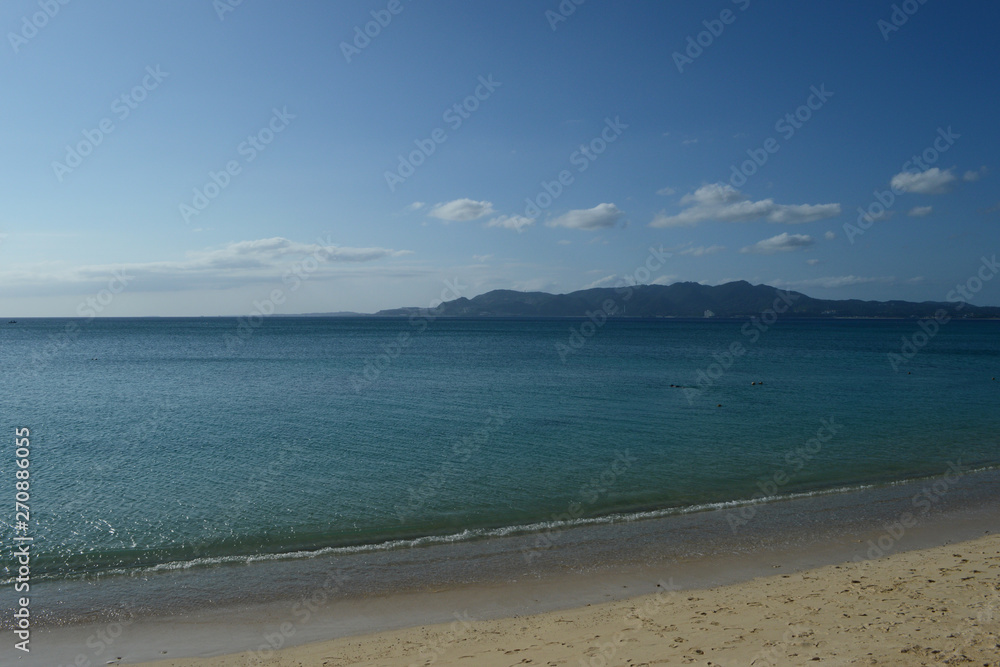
(917, 607)
(488, 580)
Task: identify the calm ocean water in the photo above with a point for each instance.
(161, 442)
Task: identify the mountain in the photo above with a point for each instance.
(735, 299)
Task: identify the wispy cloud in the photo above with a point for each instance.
(242, 262)
(701, 251)
(516, 222)
(666, 192)
(784, 242)
(920, 211)
(461, 210)
(975, 175)
(931, 182)
(606, 281)
(724, 203)
(835, 281)
(602, 216)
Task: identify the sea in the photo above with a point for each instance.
(165, 445)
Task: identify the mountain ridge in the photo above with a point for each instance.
(686, 299)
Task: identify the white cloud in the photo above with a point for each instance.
(461, 210)
(563, 242)
(975, 175)
(783, 242)
(243, 262)
(836, 281)
(666, 192)
(601, 216)
(920, 211)
(415, 206)
(481, 258)
(915, 279)
(688, 142)
(700, 251)
(930, 182)
(606, 281)
(812, 262)
(724, 203)
(515, 222)
(829, 236)
(664, 280)
(535, 285)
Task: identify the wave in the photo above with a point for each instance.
(472, 534)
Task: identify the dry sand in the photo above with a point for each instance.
(939, 606)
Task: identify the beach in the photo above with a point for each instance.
(925, 607)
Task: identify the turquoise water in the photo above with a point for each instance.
(159, 441)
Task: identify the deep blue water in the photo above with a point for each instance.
(161, 441)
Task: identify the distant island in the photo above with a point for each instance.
(734, 299)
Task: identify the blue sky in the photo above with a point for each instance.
(256, 153)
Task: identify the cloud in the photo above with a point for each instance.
(461, 210)
(783, 242)
(515, 222)
(666, 192)
(602, 216)
(481, 258)
(829, 236)
(975, 175)
(535, 285)
(563, 242)
(688, 142)
(664, 280)
(242, 262)
(837, 281)
(930, 182)
(812, 262)
(415, 206)
(602, 282)
(700, 251)
(915, 279)
(920, 211)
(724, 203)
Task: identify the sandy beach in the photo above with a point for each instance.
(926, 607)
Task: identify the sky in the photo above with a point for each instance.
(204, 157)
